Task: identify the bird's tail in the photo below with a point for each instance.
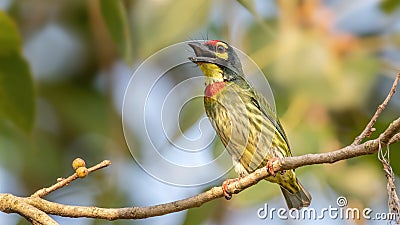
(298, 199)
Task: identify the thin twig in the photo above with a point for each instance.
(63, 182)
(100, 165)
(394, 139)
(390, 132)
(369, 128)
(257, 16)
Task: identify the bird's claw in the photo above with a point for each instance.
(270, 166)
(225, 184)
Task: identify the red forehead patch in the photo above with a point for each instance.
(212, 42)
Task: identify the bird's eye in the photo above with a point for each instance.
(220, 49)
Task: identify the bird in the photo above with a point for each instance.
(244, 120)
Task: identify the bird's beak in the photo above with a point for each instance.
(203, 54)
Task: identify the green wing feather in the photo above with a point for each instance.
(262, 104)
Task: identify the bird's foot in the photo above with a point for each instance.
(225, 184)
(270, 166)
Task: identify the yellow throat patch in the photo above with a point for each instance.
(212, 72)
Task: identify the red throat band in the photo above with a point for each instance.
(213, 88)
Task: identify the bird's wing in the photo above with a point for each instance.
(262, 104)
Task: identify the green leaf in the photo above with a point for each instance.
(389, 6)
(9, 39)
(118, 26)
(16, 88)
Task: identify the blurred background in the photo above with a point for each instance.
(65, 65)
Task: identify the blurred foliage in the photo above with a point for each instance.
(16, 88)
(166, 22)
(327, 82)
(389, 5)
(207, 212)
(117, 24)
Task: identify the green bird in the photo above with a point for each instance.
(244, 121)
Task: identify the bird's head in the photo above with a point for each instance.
(217, 60)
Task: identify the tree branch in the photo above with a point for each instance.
(394, 139)
(369, 128)
(348, 152)
(35, 208)
(13, 204)
(368, 147)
